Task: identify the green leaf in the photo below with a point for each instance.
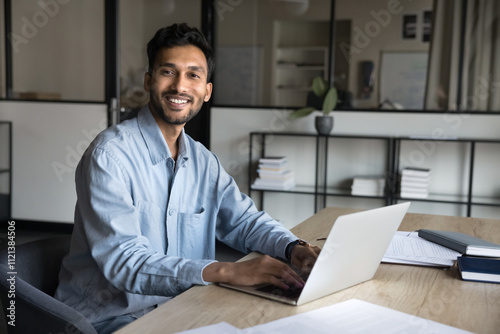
(319, 86)
(330, 101)
(302, 112)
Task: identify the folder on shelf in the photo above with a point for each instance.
(368, 186)
(462, 243)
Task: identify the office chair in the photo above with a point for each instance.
(36, 270)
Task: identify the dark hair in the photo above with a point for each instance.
(180, 35)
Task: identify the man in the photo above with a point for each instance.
(152, 202)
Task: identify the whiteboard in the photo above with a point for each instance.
(403, 77)
(238, 74)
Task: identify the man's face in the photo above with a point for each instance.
(178, 84)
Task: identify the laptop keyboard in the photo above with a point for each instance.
(292, 292)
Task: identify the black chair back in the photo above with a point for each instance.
(36, 272)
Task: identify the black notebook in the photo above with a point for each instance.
(462, 243)
(479, 269)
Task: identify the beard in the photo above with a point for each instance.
(161, 111)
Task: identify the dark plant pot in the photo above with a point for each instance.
(324, 124)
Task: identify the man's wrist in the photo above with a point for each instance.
(216, 272)
(291, 245)
(288, 249)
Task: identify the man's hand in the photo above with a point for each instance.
(303, 257)
(263, 269)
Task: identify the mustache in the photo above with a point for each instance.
(176, 93)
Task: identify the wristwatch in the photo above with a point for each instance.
(289, 247)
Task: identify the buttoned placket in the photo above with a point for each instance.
(173, 205)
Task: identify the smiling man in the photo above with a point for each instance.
(152, 202)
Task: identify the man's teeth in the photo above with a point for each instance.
(178, 101)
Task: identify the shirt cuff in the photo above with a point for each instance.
(192, 273)
(202, 281)
(282, 245)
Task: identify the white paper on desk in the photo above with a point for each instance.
(409, 248)
(353, 316)
(220, 328)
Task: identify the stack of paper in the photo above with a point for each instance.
(274, 174)
(415, 182)
(350, 316)
(368, 186)
(409, 248)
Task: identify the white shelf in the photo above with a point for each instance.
(295, 66)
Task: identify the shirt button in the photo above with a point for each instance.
(170, 212)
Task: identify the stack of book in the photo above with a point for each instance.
(274, 174)
(415, 182)
(480, 260)
(368, 186)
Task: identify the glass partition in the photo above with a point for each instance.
(387, 52)
(426, 55)
(58, 50)
(267, 52)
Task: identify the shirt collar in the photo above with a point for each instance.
(155, 142)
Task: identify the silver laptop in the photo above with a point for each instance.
(351, 254)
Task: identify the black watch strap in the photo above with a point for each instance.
(289, 247)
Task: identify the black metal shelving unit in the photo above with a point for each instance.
(468, 199)
(320, 191)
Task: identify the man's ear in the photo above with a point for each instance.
(209, 92)
(147, 81)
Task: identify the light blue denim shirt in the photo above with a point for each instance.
(146, 226)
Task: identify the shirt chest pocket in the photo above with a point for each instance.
(195, 234)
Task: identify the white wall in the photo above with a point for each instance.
(48, 141)
(230, 128)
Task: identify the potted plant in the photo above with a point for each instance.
(324, 97)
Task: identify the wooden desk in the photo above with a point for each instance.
(431, 293)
